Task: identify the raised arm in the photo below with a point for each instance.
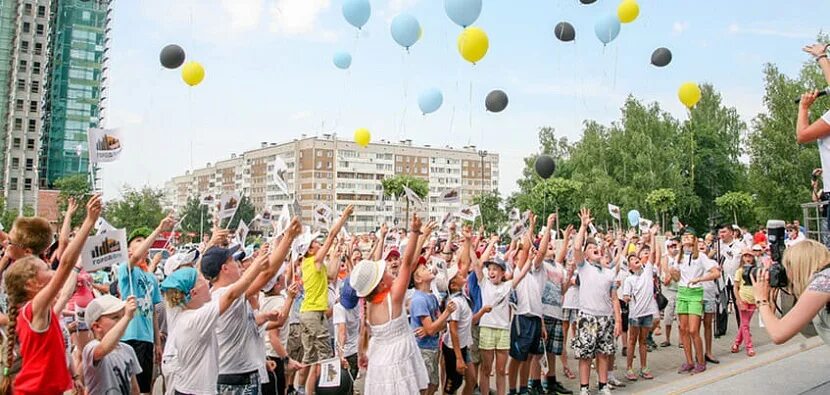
(543, 246)
(464, 259)
(66, 227)
(166, 223)
(241, 286)
(521, 262)
(377, 251)
(113, 337)
(44, 298)
(805, 132)
(333, 232)
(277, 257)
(402, 281)
(563, 250)
(819, 52)
(579, 241)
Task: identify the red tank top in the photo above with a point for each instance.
(44, 369)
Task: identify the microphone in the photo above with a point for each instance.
(823, 92)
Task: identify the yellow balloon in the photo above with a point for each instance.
(362, 137)
(689, 94)
(473, 44)
(628, 11)
(193, 73)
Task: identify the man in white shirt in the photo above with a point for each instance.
(729, 250)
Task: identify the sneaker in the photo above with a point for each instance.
(584, 391)
(534, 391)
(651, 348)
(558, 389)
(630, 375)
(651, 343)
(685, 368)
(605, 391)
(699, 369)
(665, 344)
(613, 381)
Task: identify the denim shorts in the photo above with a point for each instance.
(710, 306)
(643, 322)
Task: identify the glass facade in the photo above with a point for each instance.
(75, 91)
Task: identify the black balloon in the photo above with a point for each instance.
(564, 31)
(496, 101)
(545, 166)
(661, 57)
(171, 56)
(587, 1)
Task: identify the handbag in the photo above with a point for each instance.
(662, 300)
(722, 315)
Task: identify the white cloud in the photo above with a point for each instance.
(764, 30)
(244, 14)
(300, 17)
(679, 27)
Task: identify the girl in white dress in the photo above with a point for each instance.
(394, 365)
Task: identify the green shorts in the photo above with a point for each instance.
(494, 339)
(689, 301)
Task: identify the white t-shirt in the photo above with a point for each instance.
(552, 294)
(273, 303)
(621, 276)
(571, 299)
(824, 155)
(529, 291)
(595, 286)
(113, 374)
(691, 268)
(798, 239)
(640, 288)
(464, 316)
(499, 317)
(198, 349)
(731, 256)
(240, 345)
(710, 288)
(350, 318)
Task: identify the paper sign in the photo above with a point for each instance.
(517, 230)
(445, 223)
(241, 233)
(323, 215)
(469, 213)
(265, 218)
(614, 211)
(645, 224)
(207, 200)
(280, 170)
(330, 373)
(413, 198)
(228, 204)
(283, 222)
(515, 215)
(103, 226)
(104, 250)
(104, 145)
(451, 196)
(296, 209)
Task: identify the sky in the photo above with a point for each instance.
(270, 76)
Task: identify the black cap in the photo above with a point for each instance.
(214, 258)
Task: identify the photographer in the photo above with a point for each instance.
(806, 264)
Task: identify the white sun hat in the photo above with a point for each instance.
(366, 276)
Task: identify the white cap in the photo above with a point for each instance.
(366, 276)
(101, 306)
(178, 260)
(452, 272)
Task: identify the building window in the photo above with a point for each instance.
(27, 9)
(21, 85)
(13, 184)
(30, 144)
(15, 163)
(24, 46)
(36, 68)
(39, 29)
(41, 11)
(16, 143)
(38, 48)
(33, 105)
(18, 124)
(21, 67)
(35, 86)
(32, 126)
(30, 164)
(27, 184)
(27, 27)
(18, 105)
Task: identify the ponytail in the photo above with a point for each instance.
(12, 366)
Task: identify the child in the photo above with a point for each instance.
(638, 291)
(426, 318)
(32, 287)
(109, 365)
(552, 294)
(746, 304)
(394, 365)
(457, 362)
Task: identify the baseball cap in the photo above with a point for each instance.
(243, 253)
(366, 276)
(101, 306)
(452, 272)
(757, 247)
(392, 252)
(180, 259)
(348, 296)
(748, 251)
(142, 232)
(496, 263)
(214, 258)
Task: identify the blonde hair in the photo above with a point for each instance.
(802, 261)
(33, 233)
(174, 297)
(16, 279)
(695, 250)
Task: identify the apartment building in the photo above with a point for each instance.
(338, 173)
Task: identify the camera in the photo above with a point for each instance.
(777, 274)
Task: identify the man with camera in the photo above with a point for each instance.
(729, 251)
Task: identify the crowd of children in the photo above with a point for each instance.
(432, 309)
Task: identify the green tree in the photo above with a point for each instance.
(551, 195)
(558, 148)
(9, 214)
(662, 201)
(735, 203)
(196, 217)
(493, 215)
(74, 186)
(245, 213)
(136, 208)
(393, 187)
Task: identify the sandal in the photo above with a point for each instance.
(568, 373)
(646, 374)
(630, 375)
(750, 351)
(735, 348)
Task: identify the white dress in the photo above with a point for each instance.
(395, 362)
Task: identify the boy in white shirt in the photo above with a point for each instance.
(109, 365)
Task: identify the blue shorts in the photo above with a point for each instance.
(525, 337)
(642, 322)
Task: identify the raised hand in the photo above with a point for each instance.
(94, 207)
(71, 206)
(808, 98)
(416, 222)
(816, 49)
(347, 212)
(130, 306)
(295, 228)
(551, 220)
(585, 216)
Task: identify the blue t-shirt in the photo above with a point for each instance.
(145, 288)
(474, 291)
(424, 305)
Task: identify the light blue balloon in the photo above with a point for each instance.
(357, 12)
(342, 60)
(430, 100)
(405, 30)
(633, 217)
(607, 28)
(463, 12)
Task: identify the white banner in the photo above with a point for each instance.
(451, 196)
(469, 213)
(614, 211)
(104, 145)
(207, 200)
(103, 226)
(413, 198)
(280, 170)
(104, 250)
(228, 204)
(283, 222)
